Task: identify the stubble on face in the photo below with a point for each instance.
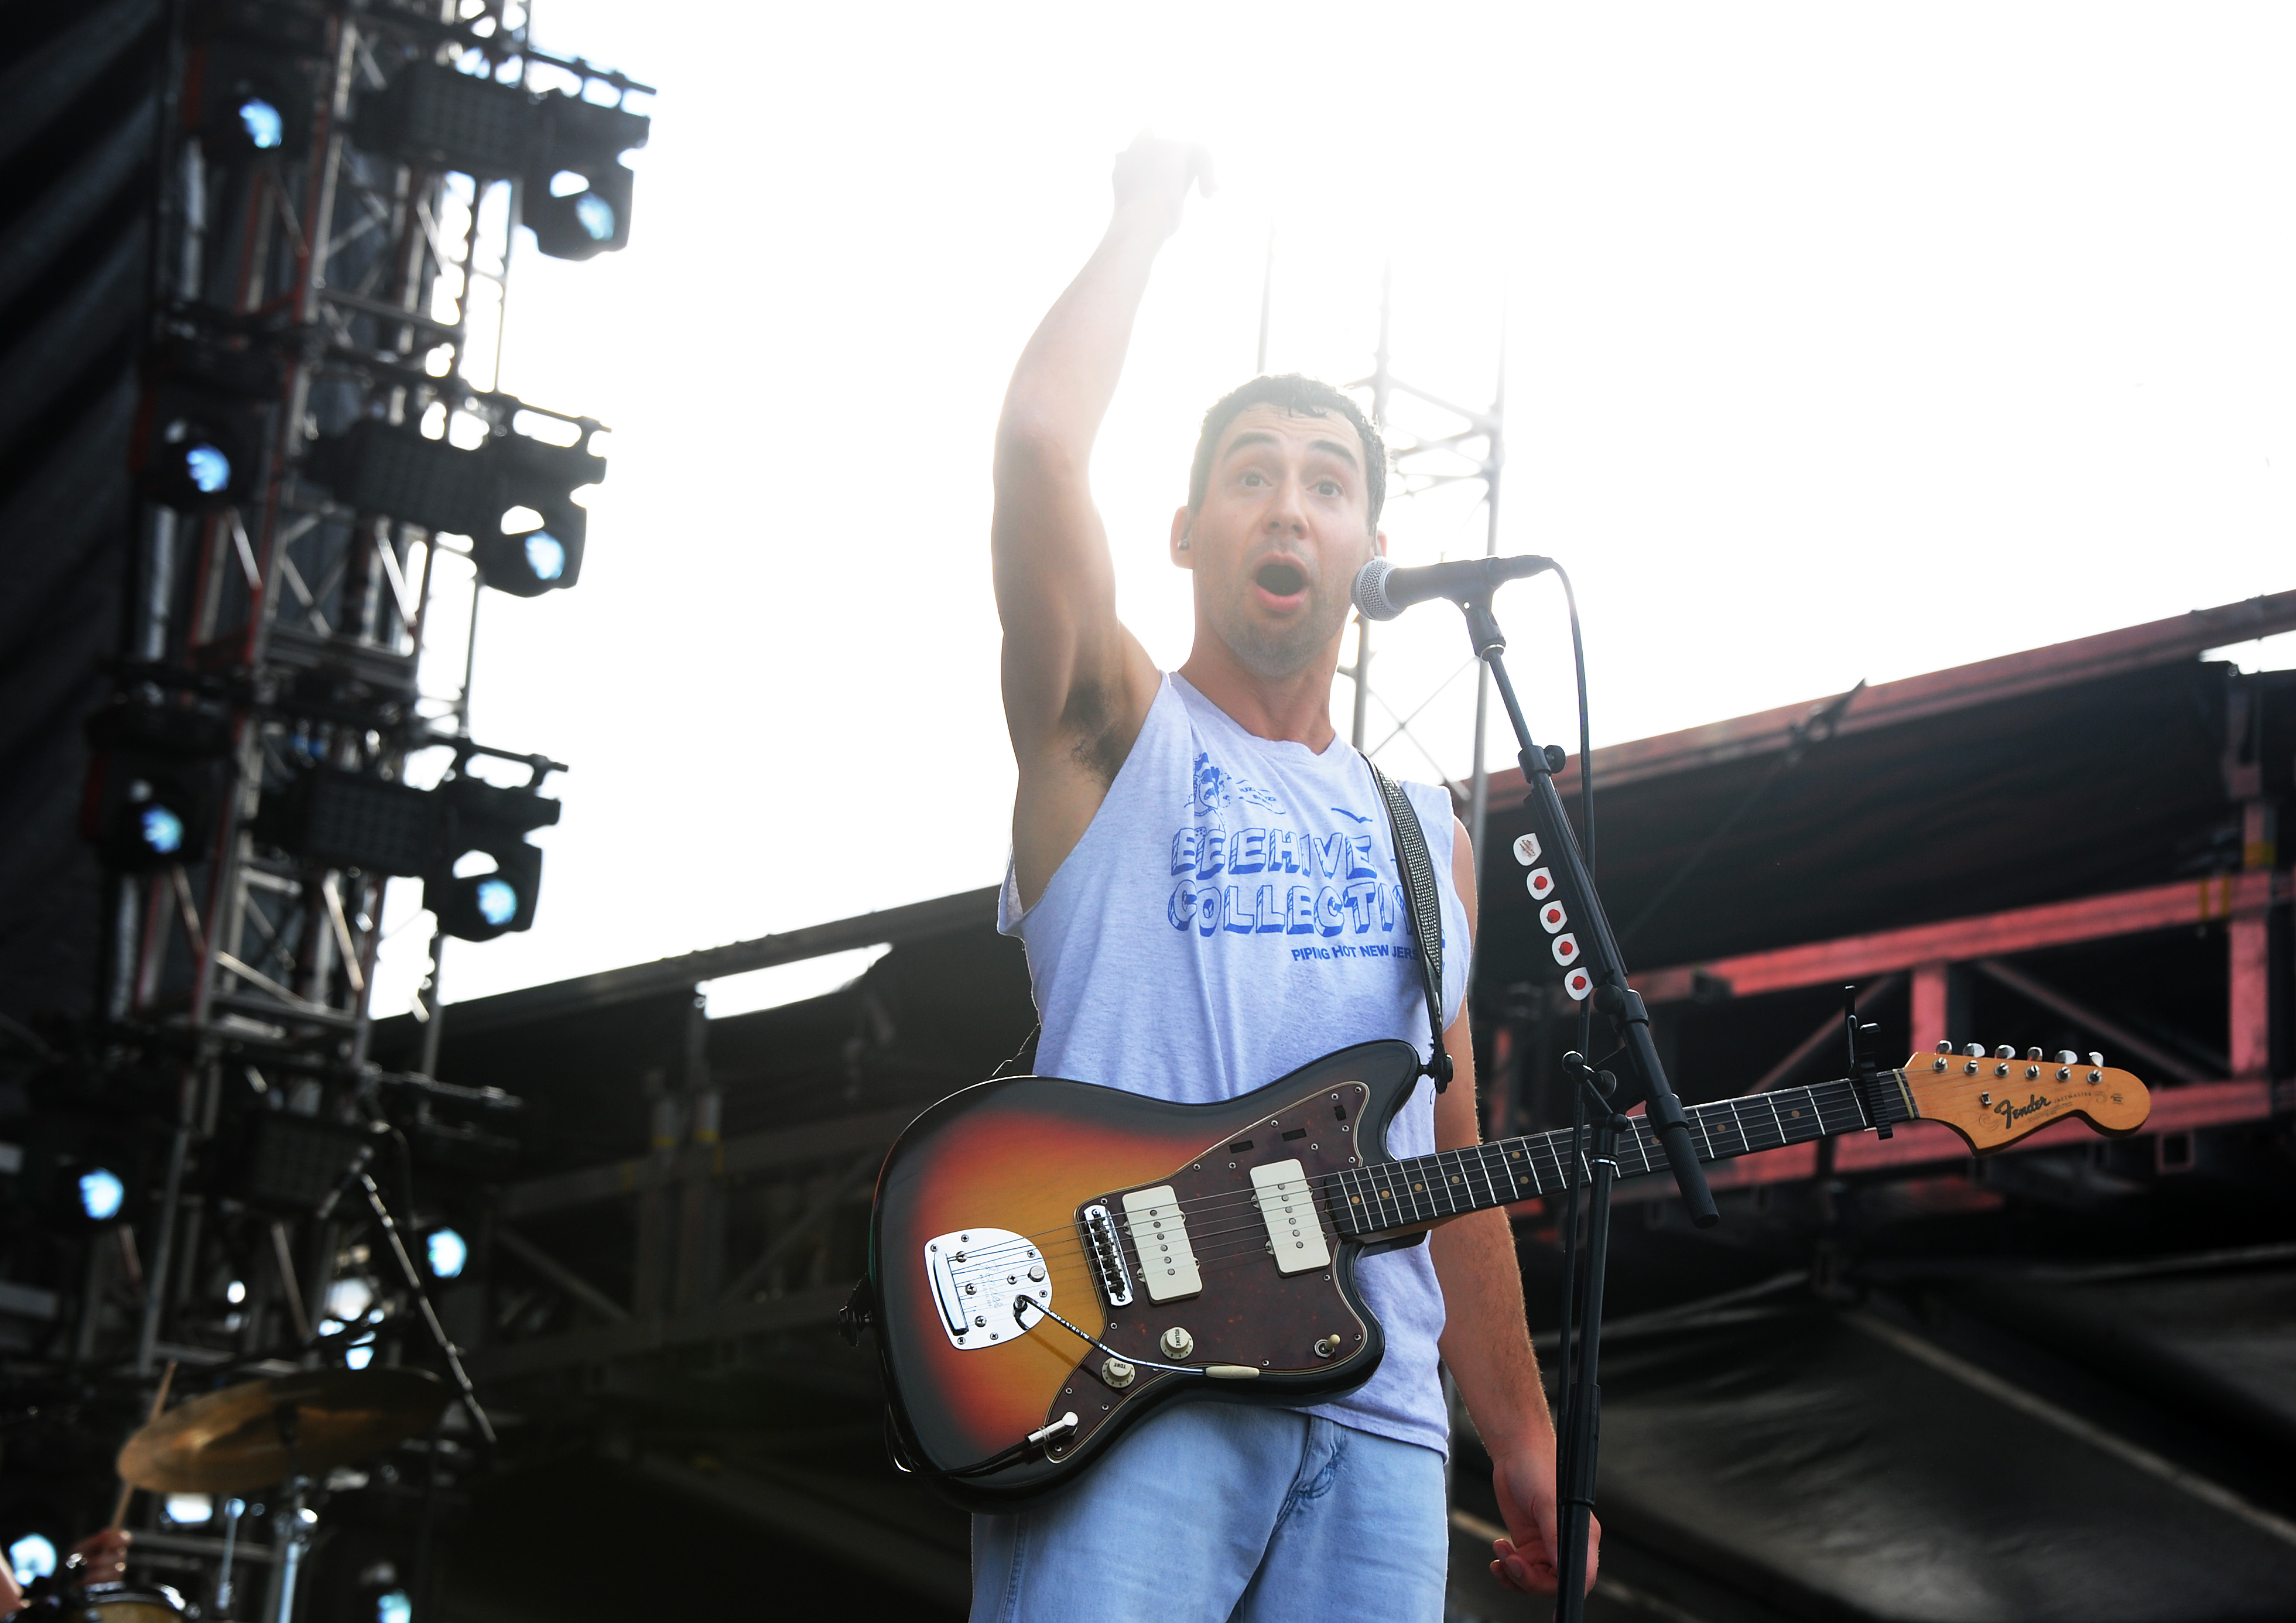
(1283, 650)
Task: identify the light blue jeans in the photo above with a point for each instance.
(1211, 1511)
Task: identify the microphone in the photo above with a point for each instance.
(1382, 591)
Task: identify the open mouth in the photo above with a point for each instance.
(1280, 579)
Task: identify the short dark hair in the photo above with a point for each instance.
(1299, 396)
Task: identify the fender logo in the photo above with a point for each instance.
(2013, 1113)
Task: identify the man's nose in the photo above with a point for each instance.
(1287, 513)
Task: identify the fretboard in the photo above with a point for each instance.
(1450, 1182)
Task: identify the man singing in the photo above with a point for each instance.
(1198, 862)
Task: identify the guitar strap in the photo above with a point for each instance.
(1426, 915)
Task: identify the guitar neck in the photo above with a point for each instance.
(1370, 1201)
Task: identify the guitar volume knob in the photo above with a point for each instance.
(1178, 1343)
(1117, 1373)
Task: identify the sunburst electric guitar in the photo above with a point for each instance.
(1051, 1262)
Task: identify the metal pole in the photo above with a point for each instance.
(431, 1001)
(1381, 384)
(163, 1246)
(1266, 296)
(1478, 792)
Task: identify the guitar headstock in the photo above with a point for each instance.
(1995, 1098)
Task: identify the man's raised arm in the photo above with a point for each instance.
(1077, 685)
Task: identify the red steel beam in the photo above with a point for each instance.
(2182, 636)
(2186, 903)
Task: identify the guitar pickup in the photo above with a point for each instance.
(1160, 1234)
(1295, 1232)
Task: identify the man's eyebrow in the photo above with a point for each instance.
(1255, 437)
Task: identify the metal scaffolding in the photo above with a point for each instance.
(313, 277)
(1468, 445)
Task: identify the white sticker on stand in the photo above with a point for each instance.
(1539, 882)
(1578, 983)
(1551, 918)
(1526, 850)
(1566, 950)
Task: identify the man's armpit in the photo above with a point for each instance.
(1093, 728)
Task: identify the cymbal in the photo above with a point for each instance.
(232, 1440)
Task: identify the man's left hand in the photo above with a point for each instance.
(1525, 1560)
(102, 1558)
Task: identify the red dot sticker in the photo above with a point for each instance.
(1566, 949)
(1578, 983)
(1553, 917)
(1539, 882)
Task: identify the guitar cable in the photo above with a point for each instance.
(1020, 1450)
(1178, 1369)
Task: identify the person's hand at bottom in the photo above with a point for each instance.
(102, 1558)
(1525, 1560)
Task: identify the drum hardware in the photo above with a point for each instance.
(281, 1430)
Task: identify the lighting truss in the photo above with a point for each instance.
(1466, 445)
(330, 471)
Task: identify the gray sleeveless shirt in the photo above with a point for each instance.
(1236, 910)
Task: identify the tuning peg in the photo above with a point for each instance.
(2032, 1054)
(2096, 1059)
(1946, 1047)
(2004, 1052)
(1976, 1051)
(2066, 1056)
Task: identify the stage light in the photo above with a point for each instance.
(496, 899)
(197, 441)
(345, 820)
(291, 1164)
(534, 543)
(448, 1253)
(32, 1556)
(437, 116)
(475, 902)
(195, 451)
(348, 1300)
(357, 1357)
(102, 1194)
(538, 550)
(512, 496)
(190, 1510)
(250, 102)
(545, 555)
(266, 131)
(392, 1606)
(162, 831)
(155, 784)
(391, 469)
(577, 195)
(236, 1292)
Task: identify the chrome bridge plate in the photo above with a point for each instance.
(978, 1276)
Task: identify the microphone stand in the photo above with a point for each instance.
(1579, 1429)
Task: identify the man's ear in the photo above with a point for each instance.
(1379, 544)
(1181, 557)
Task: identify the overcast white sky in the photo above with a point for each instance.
(1841, 342)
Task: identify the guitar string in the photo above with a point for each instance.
(1824, 1099)
(1208, 1250)
(1642, 1143)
